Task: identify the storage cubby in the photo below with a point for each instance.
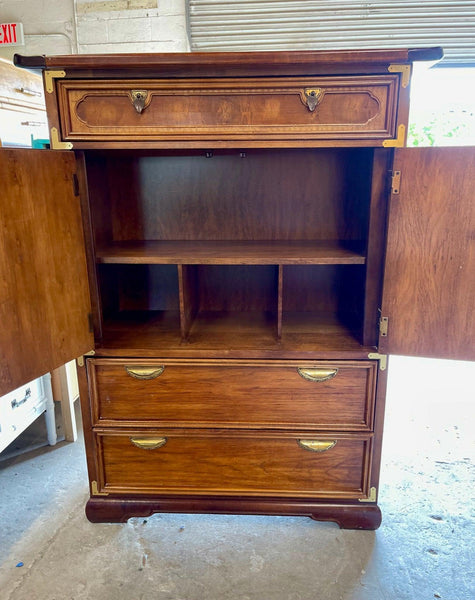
(266, 245)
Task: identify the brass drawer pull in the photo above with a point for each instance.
(145, 372)
(317, 375)
(313, 97)
(29, 92)
(317, 445)
(16, 403)
(139, 99)
(148, 443)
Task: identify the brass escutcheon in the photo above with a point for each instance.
(139, 98)
(313, 97)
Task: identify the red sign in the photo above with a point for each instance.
(11, 34)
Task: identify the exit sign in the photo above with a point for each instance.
(11, 34)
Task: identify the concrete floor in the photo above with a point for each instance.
(423, 550)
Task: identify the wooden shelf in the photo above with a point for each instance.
(231, 334)
(302, 252)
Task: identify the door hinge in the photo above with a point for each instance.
(383, 326)
(395, 182)
(75, 184)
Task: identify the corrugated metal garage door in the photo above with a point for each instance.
(334, 24)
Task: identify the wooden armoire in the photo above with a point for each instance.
(246, 239)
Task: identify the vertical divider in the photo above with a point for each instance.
(189, 297)
(280, 286)
(382, 161)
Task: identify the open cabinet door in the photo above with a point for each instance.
(44, 297)
(429, 284)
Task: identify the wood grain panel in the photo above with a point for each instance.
(44, 297)
(208, 64)
(429, 285)
(228, 463)
(189, 298)
(236, 252)
(279, 195)
(218, 334)
(350, 107)
(234, 394)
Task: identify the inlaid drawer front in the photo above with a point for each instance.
(337, 395)
(229, 463)
(328, 108)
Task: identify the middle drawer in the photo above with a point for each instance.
(336, 395)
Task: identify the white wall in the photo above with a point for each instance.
(48, 26)
(131, 26)
(97, 26)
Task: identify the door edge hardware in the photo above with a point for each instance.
(405, 71)
(383, 326)
(372, 496)
(395, 182)
(399, 141)
(49, 76)
(75, 184)
(383, 359)
(80, 359)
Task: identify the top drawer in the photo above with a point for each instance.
(336, 395)
(344, 109)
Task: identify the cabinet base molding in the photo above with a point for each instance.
(346, 515)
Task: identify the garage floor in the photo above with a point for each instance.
(423, 550)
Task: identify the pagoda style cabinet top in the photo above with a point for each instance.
(248, 239)
(229, 99)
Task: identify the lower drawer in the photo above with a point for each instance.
(234, 463)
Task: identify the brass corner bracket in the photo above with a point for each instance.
(49, 76)
(383, 359)
(95, 490)
(371, 497)
(80, 359)
(56, 143)
(399, 141)
(405, 71)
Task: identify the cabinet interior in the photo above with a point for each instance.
(248, 249)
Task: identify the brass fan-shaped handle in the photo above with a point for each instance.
(317, 445)
(317, 375)
(148, 443)
(145, 372)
